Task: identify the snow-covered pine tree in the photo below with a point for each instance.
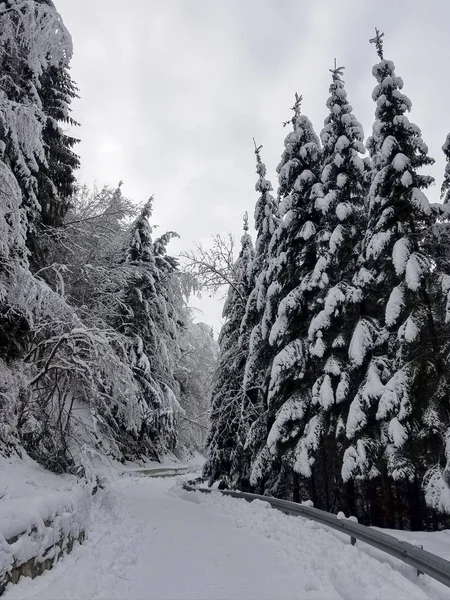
(32, 38)
(437, 479)
(266, 222)
(284, 325)
(395, 421)
(56, 179)
(35, 95)
(254, 346)
(340, 196)
(228, 426)
(140, 247)
(146, 322)
(169, 303)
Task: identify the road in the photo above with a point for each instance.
(149, 539)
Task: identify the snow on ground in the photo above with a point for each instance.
(41, 504)
(151, 539)
(354, 571)
(437, 542)
(24, 478)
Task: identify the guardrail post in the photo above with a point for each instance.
(419, 572)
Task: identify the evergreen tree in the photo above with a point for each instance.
(56, 177)
(146, 322)
(32, 38)
(169, 304)
(340, 196)
(140, 247)
(266, 222)
(35, 95)
(292, 278)
(226, 437)
(251, 341)
(393, 420)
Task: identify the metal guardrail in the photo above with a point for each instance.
(425, 562)
(159, 472)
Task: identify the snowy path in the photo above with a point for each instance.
(151, 539)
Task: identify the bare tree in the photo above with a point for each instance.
(212, 269)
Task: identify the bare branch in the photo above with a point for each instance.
(212, 268)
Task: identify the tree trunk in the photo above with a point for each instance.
(374, 506)
(388, 504)
(414, 508)
(349, 498)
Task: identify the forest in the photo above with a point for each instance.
(330, 382)
(99, 352)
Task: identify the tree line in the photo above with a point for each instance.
(99, 353)
(333, 376)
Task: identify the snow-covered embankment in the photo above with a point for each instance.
(39, 521)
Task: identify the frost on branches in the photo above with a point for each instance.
(194, 373)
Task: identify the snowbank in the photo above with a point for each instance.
(41, 516)
(151, 540)
(327, 556)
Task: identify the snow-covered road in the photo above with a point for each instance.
(151, 539)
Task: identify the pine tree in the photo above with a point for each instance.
(291, 279)
(169, 304)
(340, 196)
(266, 222)
(251, 342)
(226, 437)
(56, 179)
(393, 421)
(35, 99)
(30, 44)
(140, 248)
(148, 325)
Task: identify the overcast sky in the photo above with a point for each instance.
(172, 92)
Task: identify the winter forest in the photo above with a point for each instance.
(99, 351)
(330, 380)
